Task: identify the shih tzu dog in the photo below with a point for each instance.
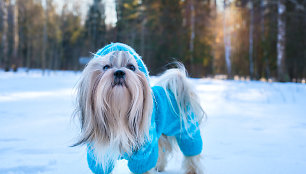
(123, 117)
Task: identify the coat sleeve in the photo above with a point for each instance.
(94, 166)
(190, 141)
(145, 158)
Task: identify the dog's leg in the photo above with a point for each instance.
(192, 165)
(164, 148)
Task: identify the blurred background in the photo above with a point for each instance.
(252, 127)
(253, 39)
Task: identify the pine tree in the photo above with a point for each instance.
(70, 45)
(128, 22)
(95, 27)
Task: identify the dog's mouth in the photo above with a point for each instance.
(119, 82)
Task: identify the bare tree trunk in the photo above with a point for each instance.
(192, 35)
(227, 39)
(214, 25)
(15, 37)
(251, 62)
(142, 39)
(192, 29)
(45, 39)
(263, 38)
(190, 26)
(29, 54)
(281, 41)
(4, 39)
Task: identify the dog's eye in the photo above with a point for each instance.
(131, 67)
(106, 67)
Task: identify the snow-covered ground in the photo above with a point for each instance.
(251, 127)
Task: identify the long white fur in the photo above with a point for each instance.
(116, 119)
(175, 80)
(166, 145)
(192, 165)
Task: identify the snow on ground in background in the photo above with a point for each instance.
(251, 127)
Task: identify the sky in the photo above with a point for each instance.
(220, 4)
(110, 8)
(110, 11)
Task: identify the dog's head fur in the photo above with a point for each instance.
(114, 103)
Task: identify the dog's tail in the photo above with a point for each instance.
(187, 100)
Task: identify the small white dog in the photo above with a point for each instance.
(122, 117)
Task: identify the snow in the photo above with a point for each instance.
(251, 127)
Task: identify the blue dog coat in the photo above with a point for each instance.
(165, 120)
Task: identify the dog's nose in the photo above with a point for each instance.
(119, 74)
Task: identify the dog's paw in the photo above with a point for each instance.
(193, 171)
(192, 165)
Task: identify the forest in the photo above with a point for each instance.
(250, 39)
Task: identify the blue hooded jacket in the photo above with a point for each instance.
(164, 120)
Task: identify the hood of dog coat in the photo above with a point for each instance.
(123, 47)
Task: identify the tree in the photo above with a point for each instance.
(295, 39)
(263, 40)
(191, 24)
(163, 31)
(4, 39)
(281, 42)
(45, 36)
(54, 36)
(95, 28)
(207, 39)
(227, 37)
(251, 62)
(129, 22)
(200, 36)
(75, 39)
(151, 33)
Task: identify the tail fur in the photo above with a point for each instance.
(187, 100)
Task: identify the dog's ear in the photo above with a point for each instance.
(147, 104)
(87, 100)
(141, 111)
(81, 111)
(84, 103)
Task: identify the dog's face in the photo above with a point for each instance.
(115, 102)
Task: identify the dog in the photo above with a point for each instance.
(123, 117)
